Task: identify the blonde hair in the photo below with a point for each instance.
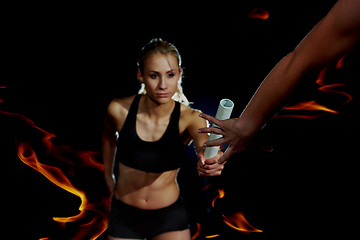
(157, 45)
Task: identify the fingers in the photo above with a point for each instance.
(211, 167)
(227, 154)
(201, 158)
(215, 130)
(210, 170)
(215, 142)
(210, 118)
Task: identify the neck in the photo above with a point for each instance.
(155, 110)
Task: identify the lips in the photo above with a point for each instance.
(162, 95)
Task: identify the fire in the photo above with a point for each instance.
(221, 195)
(259, 13)
(238, 222)
(313, 105)
(310, 106)
(2, 87)
(213, 236)
(330, 87)
(95, 224)
(55, 175)
(198, 230)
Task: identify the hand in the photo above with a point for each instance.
(209, 167)
(234, 133)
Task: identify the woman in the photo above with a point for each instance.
(152, 131)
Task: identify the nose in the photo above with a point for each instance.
(162, 84)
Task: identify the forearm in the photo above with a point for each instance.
(333, 37)
(272, 94)
(108, 151)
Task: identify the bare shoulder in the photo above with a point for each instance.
(191, 117)
(119, 107)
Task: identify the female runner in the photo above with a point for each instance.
(144, 140)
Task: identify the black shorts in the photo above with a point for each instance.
(126, 221)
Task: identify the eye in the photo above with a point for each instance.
(171, 75)
(153, 76)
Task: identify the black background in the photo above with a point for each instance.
(64, 63)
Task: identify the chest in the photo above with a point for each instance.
(149, 130)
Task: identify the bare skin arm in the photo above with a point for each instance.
(206, 167)
(333, 37)
(113, 121)
(108, 150)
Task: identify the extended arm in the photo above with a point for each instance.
(333, 37)
(206, 167)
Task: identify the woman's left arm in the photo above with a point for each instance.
(206, 167)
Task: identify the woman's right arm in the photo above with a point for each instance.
(108, 142)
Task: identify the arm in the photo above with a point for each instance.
(333, 37)
(114, 113)
(206, 167)
(108, 151)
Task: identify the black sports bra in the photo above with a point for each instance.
(159, 156)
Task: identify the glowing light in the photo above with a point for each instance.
(238, 222)
(198, 230)
(2, 87)
(94, 225)
(213, 236)
(259, 13)
(313, 105)
(221, 195)
(310, 106)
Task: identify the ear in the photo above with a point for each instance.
(139, 76)
(180, 71)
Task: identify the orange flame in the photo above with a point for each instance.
(213, 236)
(259, 13)
(310, 106)
(97, 224)
(55, 175)
(314, 106)
(238, 222)
(198, 230)
(329, 87)
(221, 195)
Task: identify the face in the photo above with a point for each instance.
(160, 75)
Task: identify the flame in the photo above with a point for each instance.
(98, 223)
(54, 174)
(340, 63)
(259, 13)
(221, 195)
(2, 87)
(329, 87)
(198, 230)
(310, 106)
(238, 222)
(213, 236)
(313, 105)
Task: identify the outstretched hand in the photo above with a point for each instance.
(233, 133)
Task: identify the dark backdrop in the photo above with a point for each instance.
(64, 63)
